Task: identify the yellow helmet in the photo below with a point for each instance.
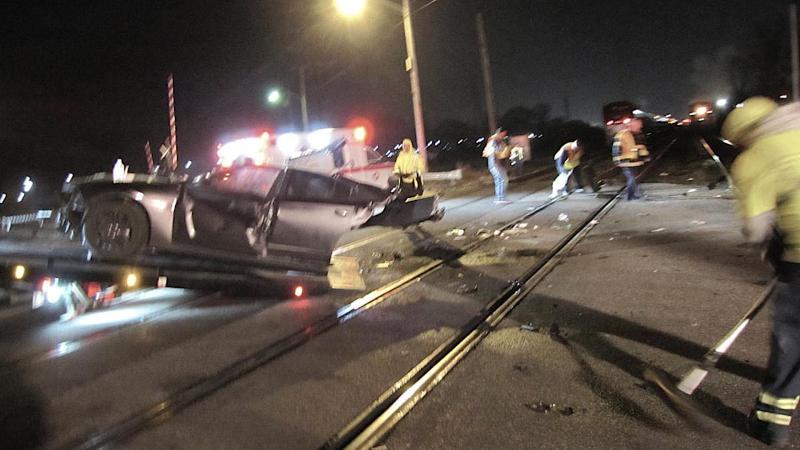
(743, 120)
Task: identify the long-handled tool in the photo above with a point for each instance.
(692, 380)
(717, 161)
(679, 395)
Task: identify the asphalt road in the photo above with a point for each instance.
(655, 283)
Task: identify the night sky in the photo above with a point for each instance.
(83, 83)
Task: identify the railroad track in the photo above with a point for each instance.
(367, 429)
(188, 395)
(191, 394)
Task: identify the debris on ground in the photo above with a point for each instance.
(483, 232)
(384, 264)
(521, 368)
(658, 230)
(456, 232)
(691, 190)
(397, 256)
(690, 179)
(529, 327)
(544, 408)
(664, 174)
(563, 217)
(698, 222)
(642, 214)
(377, 255)
(521, 225)
(466, 289)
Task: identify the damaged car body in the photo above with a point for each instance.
(277, 217)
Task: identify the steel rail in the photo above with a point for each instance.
(181, 399)
(368, 428)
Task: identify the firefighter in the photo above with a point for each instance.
(629, 155)
(767, 179)
(408, 168)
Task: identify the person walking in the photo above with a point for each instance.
(766, 176)
(567, 160)
(408, 168)
(496, 153)
(628, 155)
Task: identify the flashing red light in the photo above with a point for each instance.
(299, 291)
(627, 120)
(360, 133)
(45, 284)
(363, 130)
(609, 123)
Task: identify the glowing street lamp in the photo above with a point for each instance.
(351, 8)
(722, 102)
(354, 8)
(274, 97)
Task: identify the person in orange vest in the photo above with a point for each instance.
(628, 155)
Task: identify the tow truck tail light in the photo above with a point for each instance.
(299, 291)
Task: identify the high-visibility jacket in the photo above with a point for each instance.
(407, 166)
(625, 152)
(568, 156)
(767, 178)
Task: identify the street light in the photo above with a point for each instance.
(722, 103)
(354, 8)
(275, 98)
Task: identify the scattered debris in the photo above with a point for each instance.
(611, 239)
(544, 408)
(521, 225)
(698, 222)
(535, 227)
(521, 368)
(691, 190)
(397, 256)
(483, 232)
(456, 232)
(555, 330)
(377, 255)
(664, 174)
(563, 217)
(384, 264)
(690, 179)
(658, 230)
(529, 327)
(466, 289)
(642, 214)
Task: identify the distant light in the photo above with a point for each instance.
(638, 112)
(350, 8)
(609, 123)
(460, 141)
(320, 138)
(722, 102)
(784, 97)
(298, 291)
(19, 272)
(438, 141)
(480, 140)
(27, 184)
(274, 96)
(187, 165)
(627, 120)
(739, 105)
(430, 143)
(20, 197)
(68, 179)
(2, 198)
(532, 135)
(131, 280)
(360, 133)
(288, 143)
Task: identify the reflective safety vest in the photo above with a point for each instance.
(767, 178)
(407, 166)
(625, 152)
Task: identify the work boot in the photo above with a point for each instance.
(767, 432)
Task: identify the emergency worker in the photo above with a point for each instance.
(567, 160)
(767, 180)
(497, 153)
(408, 168)
(628, 155)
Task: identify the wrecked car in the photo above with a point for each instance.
(281, 216)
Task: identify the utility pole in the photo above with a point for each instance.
(487, 74)
(795, 52)
(566, 107)
(303, 99)
(416, 95)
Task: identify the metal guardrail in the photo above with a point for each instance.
(6, 222)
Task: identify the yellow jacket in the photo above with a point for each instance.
(767, 180)
(625, 152)
(407, 166)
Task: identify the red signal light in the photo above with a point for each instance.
(299, 291)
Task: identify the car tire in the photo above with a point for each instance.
(115, 228)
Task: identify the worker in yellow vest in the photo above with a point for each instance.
(766, 177)
(408, 168)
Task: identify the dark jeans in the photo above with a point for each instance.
(630, 183)
(783, 368)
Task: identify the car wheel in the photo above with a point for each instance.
(115, 228)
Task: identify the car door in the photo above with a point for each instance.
(313, 212)
(225, 211)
